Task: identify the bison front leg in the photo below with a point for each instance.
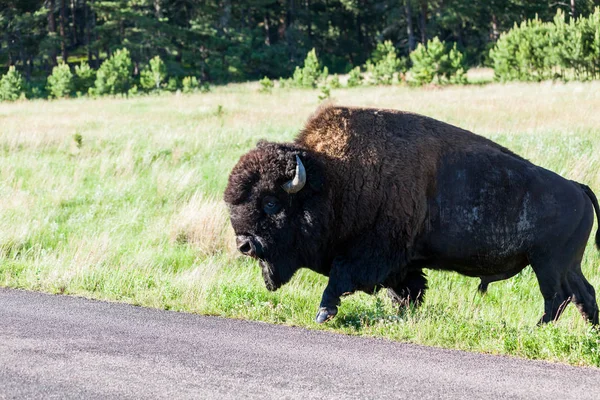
(361, 272)
(340, 283)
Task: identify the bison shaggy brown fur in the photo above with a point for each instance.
(371, 197)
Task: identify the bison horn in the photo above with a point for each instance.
(296, 184)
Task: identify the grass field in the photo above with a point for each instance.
(120, 199)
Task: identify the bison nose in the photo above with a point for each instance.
(245, 246)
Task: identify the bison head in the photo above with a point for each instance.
(276, 200)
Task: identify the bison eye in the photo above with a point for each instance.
(271, 205)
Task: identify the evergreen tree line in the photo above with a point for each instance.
(62, 48)
(536, 50)
(225, 40)
(435, 61)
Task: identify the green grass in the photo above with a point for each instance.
(135, 214)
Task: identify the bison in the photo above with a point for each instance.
(372, 197)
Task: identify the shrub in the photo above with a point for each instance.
(84, 78)
(335, 82)
(133, 90)
(266, 85)
(310, 74)
(154, 74)
(114, 75)
(504, 59)
(355, 78)
(11, 85)
(455, 72)
(427, 61)
(590, 37)
(534, 50)
(524, 52)
(435, 61)
(189, 84)
(173, 84)
(576, 47)
(567, 50)
(324, 74)
(325, 92)
(60, 82)
(384, 64)
(78, 140)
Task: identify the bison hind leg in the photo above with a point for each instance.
(410, 291)
(560, 278)
(584, 295)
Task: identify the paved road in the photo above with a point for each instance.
(67, 347)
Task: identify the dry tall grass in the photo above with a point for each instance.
(204, 224)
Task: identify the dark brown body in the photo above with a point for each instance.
(393, 193)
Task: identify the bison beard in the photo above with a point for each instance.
(370, 198)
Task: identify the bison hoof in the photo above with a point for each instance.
(325, 314)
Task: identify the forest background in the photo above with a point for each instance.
(220, 41)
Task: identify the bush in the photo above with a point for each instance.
(266, 85)
(455, 72)
(84, 78)
(11, 85)
(355, 78)
(154, 74)
(133, 90)
(384, 64)
(524, 52)
(335, 82)
(114, 75)
(310, 74)
(173, 84)
(435, 61)
(535, 51)
(190, 84)
(325, 92)
(504, 59)
(590, 41)
(324, 75)
(427, 61)
(60, 83)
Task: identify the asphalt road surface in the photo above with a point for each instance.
(68, 347)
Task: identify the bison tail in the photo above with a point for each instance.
(594, 200)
